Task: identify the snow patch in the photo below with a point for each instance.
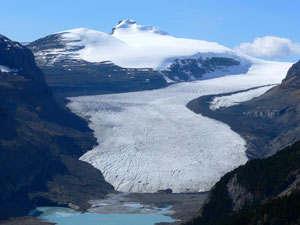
(235, 99)
(5, 69)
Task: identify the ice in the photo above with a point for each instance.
(131, 24)
(235, 99)
(5, 69)
(149, 140)
(136, 46)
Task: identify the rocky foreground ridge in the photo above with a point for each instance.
(40, 142)
(264, 191)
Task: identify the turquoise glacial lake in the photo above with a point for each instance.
(67, 216)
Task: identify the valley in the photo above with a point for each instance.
(140, 133)
(137, 126)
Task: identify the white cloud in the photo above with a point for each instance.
(270, 47)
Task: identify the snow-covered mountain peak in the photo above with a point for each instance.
(126, 23)
(129, 26)
(136, 46)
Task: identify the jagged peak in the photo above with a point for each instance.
(130, 24)
(6, 43)
(292, 78)
(126, 23)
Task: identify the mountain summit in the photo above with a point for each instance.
(130, 25)
(130, 46)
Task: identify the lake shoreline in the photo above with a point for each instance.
(178, 206)
(181, 206)
(184, 205)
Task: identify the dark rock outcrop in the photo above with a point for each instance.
(264, 191)
(195, 69)
(40, 142)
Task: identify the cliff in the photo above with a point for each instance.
(40, 142)
(264, 191)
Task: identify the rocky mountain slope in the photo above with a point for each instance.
(132, 57)
(279, 108)
(264, 191)
(269, 122)
(277, 112)
(40, 142)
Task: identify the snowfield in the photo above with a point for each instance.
(235, 99)
(135, 46)
(5, 69)
(149, 140)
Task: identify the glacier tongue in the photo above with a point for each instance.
(150, 141)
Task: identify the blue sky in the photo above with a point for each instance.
(228, 22)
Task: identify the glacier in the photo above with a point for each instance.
(149, 140)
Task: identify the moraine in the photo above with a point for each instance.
(149, 140)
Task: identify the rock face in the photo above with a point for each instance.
(39, 141)
(195, 69)
(276, 113)
(264, 191)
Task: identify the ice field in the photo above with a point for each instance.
(149, 140)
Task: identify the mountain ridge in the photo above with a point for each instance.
(40, 142)
(130, 41)
(134, 46)
(127, 23)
